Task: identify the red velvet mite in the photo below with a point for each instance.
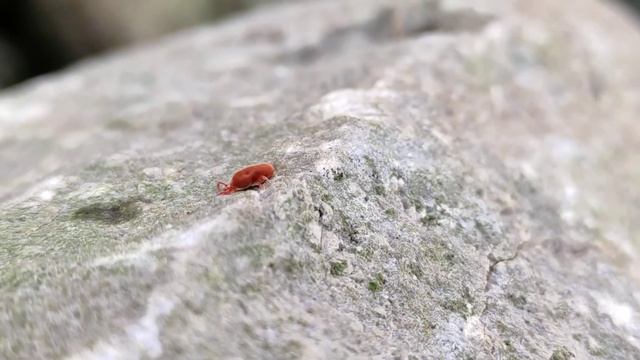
(250, 176)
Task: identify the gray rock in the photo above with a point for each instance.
(453, 182)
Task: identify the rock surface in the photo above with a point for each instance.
(454, 182)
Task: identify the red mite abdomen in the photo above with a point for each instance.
(252, 175)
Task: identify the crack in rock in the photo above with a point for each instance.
(490, 271)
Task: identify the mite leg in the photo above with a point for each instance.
(228, 190)
(220, 186)
(262, 182)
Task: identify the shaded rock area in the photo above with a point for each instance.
(10, 69)
(49, 35)
(455, 181)
(84, 27)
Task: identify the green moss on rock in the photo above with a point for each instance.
(258, 254)
(338, 267)
(376, 283)
(416, 270)
(562, 353)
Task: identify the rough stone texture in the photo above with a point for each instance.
(454, 182)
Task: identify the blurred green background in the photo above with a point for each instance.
(40, 36)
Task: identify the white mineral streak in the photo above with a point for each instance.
(14, 113)
(352, 102)
(44, 191)
(620, 313)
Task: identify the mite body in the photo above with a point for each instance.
(250, 176)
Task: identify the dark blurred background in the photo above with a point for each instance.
(40, 36)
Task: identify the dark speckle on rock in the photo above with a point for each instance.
(112, 213)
